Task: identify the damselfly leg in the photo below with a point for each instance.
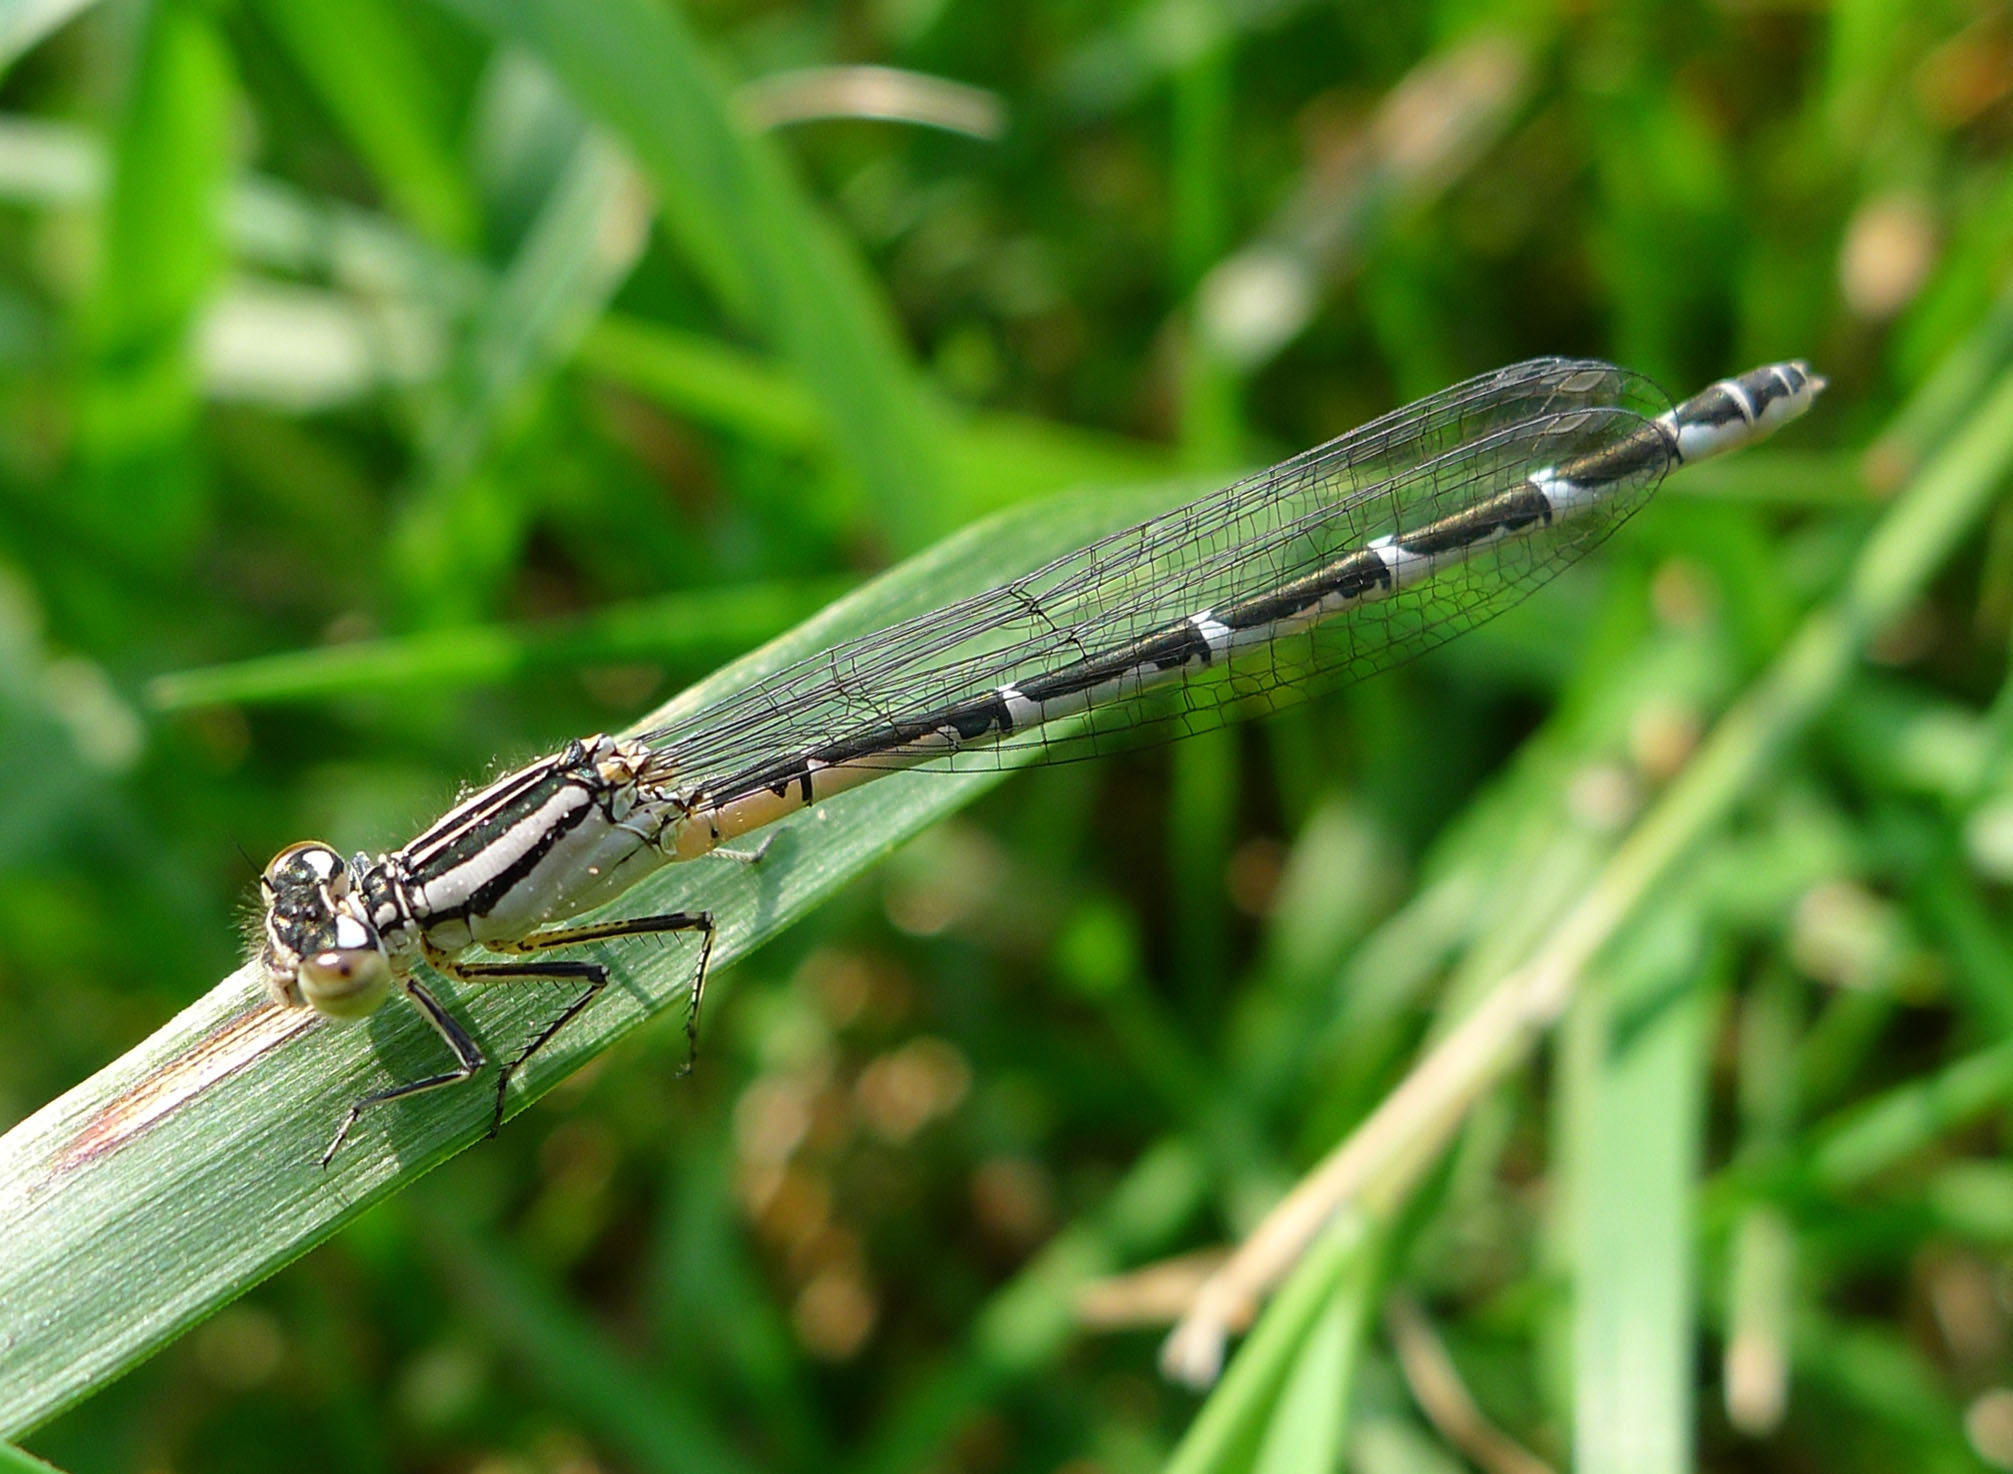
(469, 1057)
(573, 936)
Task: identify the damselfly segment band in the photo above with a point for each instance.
(1330, 566)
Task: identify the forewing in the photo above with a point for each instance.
(1410, 470)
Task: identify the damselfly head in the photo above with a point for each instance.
(319, 951)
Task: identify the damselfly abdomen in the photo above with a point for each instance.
(1328, 567)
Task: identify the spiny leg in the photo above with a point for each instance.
(698, 995)
(468, 1058)
(593, 974)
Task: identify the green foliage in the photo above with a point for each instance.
(394, 391)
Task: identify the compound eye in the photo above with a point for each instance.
(309, 863)
(347, 983)
(349, 979)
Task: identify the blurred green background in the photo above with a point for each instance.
(392, 390)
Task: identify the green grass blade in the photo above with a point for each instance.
(742, 221)
(1881, 1131)
(185, 1172)
(1635, 1067)
(659, 1426)
(140, 488)
(701, 625)
(1761, 1250)
(19, 1461)
(704, 378)
(459, 535)
(367, 71)
(1903, 1413)
(23, 23)
(1310, 1425)
(1343, 1270)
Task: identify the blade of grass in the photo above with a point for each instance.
(19, 1461)
(1341, 1270)
(1202, 812)
(1635, 1072)
(658, 1425)
(641, 72)
(1312, 1420)
(1884, 1130)
(996, 459)
(741, 219)
(704, 378)
(139, 488)
(1960, 378)
(1973, 1200)
(458, 535)
(1761, 1302)
(1889, 1388)
(185, 1172)
(1761, 1257)
(23, 23)
(690, 628)
(365, 69)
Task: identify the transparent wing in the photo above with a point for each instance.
(1433, 469)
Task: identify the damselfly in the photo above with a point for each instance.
(1330, 566)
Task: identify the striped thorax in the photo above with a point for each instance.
(552, 840)
(549, 841)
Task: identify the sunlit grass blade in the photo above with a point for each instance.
(140, 487)
(695, 628)
(23, 23)
(1309, 1426)
(1635, 1072)
(366, 69)
(1341, 1276)
(19, 1461)
(734, 209)
(457, 536)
